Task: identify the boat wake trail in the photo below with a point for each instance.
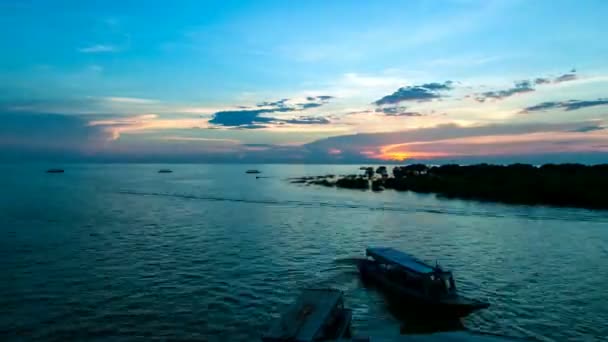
(361, 206)
(348, 261)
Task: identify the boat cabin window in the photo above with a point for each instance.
(441, 284)
(448, 283)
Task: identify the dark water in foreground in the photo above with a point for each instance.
(209, 253)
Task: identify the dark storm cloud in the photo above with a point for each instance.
(397, 111)
(520, 87)
(565, 105)
(419, 93)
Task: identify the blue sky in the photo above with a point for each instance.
(308, 81)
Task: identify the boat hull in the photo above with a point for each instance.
(415, 301)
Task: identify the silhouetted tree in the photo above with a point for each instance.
(369, 172)
(381, 170)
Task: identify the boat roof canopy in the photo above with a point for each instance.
(305, 318)
(392, 256)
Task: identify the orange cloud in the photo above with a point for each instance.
(399, 152)
(146, 122)
(542, 142)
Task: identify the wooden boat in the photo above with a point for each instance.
(54, 171)
(428, 289)
(317, 315)
(165, 171)
(252, 171)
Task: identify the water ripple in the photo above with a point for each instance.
(121, 252)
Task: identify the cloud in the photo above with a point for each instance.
(419, 93)
(542, 106)
(320, 97)
(451, 140)
(90, 105)
(519, 88)
(117, 125)
(258, 145)
(541, 80)
(251, 126)
(308, 120)
(130, 100)
(252, 119)
(44, 135)
(98, 48)
(245, 118)
(565, 105)
(200, 139)
(69, 137)
(574, 105)
(261, 118)
(311, 105)
(565, 78)
(590, 128)
(525, 87)
(397, 111)
(279, 103)
(438, 86)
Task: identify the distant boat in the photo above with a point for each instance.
(165, 171)
(54, 171)
(317, 315)
(253, 171)
(405, 278)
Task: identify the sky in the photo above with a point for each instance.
(304, 81)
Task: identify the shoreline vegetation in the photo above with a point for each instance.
(565, 185)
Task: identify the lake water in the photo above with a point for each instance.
(209, 253)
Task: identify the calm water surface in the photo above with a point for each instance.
(209, 253)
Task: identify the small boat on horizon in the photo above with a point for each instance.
(165, 171)
(428, 289)
(55, 171)
(317, 315)
(253, 171)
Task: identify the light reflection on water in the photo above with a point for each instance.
(210, 253)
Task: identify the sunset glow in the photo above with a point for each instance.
(362, 84)
(399, 152)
